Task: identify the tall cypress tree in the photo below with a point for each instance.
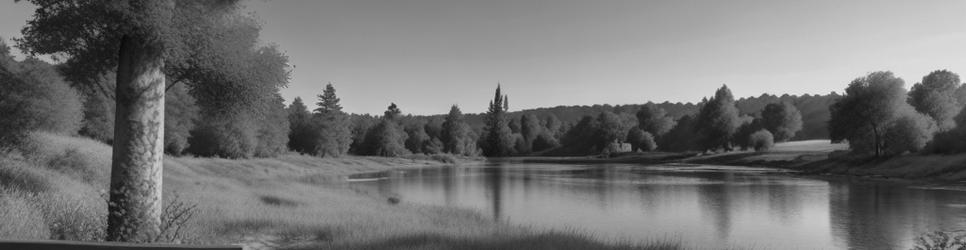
(497, 140)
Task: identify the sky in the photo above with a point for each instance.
(426, 55)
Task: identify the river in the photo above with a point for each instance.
(699, 206)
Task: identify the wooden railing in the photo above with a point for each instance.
(80, 245)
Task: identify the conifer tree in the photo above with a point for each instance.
(497, 138)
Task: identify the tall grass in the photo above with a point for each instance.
(55, 190)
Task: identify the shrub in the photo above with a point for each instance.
(640, 139)
(909, 133)
(762, 140)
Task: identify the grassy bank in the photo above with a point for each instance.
(56, 190)
(810, 157)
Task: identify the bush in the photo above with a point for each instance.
(762, 140)
(909, 133)
(639, 139)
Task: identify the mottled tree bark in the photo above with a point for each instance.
(135, 195)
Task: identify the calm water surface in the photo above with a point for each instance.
(703, 206)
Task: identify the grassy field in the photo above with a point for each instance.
(55, 189)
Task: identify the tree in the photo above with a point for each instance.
(749, 126)
(302, 133)
(781, 119)
(417, 137)
(640, 140)
(387, 138)
(681, 137)
(554, 126)
(15, 105)
(144, 43)
(936, 97)
(328, 102)
(544, 141)
(654, 120)
(862, 116)
(34, 98)
(456, 135)
(718, 121)
(530, 128)
(910, 132)
(273, 129)
(58, 106)
(497, 138)
(333, 136)
(610, 130)
(392, 112)
(761, 140)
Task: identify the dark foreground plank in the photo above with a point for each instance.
(80, 245)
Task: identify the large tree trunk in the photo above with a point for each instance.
(135, 195)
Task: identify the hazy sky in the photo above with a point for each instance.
(426, 55)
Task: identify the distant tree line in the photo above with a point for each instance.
(875, 115)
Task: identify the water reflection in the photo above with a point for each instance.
(705, 208)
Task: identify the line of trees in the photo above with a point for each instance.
(878, 117)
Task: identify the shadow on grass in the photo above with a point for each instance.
(536, 241)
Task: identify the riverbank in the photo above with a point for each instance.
(807, 157)
(56, 190)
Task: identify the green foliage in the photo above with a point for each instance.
(328, 101)
(359, 127)
(748, 126)
(58, 107)
(910, 132)
(334, 136)
(530, 128)
(936, 97)
(301, 127)
(497, 137)
(654, 120)
(870, 105)
(386, 139)
(594, 135)
(456, 135)
(681, 137)
(417, 138)
(544, 141)
(392, 112)
(98, 117)
(273, 129)
(762, 140)
(259, 132)
(641, 140)
(783, 120)
(718, 121)
(180, 115)
(34, 98)
(325, 133)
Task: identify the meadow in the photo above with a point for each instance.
(55, 188)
